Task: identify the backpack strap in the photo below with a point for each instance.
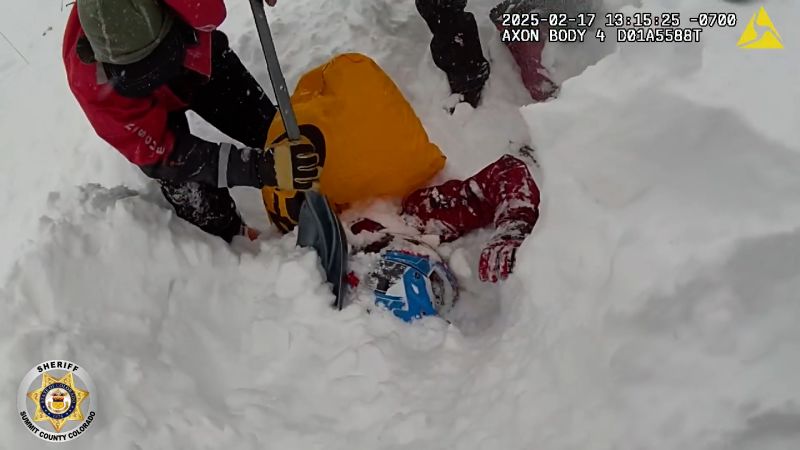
(86, 56)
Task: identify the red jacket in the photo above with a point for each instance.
(137, 127)
(503, 194)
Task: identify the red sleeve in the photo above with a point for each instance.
(138, 129)
(504, 194)
(204, 15)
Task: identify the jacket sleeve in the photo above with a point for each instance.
(203, 15)
(136, 128)
(504, 194)
(212, 164)
(143, 132)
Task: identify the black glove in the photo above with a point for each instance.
(218, 165)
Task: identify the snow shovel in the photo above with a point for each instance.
(275, 72)
(318, 226)
(320, 229)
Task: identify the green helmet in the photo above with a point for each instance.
(124, 31)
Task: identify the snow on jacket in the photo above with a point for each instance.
(503, 194)
(138, 127)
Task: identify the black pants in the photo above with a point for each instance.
(456, 44)
(234, 103)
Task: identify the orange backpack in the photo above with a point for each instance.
(374, 142)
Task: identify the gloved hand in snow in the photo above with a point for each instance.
(271, 2)
(498, 258)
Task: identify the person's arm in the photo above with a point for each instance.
(196, 160)
(516, 198)
(289, 166)
(141, 131)
(504, 194)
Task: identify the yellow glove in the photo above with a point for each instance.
(295, 165)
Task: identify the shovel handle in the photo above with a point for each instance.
(275, 72)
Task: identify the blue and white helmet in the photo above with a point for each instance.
(414, 284)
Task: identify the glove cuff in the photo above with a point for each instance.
(266, 168)
(222, 164)
(246, 166)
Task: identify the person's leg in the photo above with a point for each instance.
(211, 209)
(232, 100)
(456, 46)
(528, 55)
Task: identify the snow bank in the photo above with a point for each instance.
(654, 307)
(202, 345)
(665, 271)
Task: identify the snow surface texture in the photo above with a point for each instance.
(655, 306)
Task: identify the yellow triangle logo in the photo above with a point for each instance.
(760, 33)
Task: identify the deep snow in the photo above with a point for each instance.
(655, 306)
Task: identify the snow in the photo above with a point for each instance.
(653, 308)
